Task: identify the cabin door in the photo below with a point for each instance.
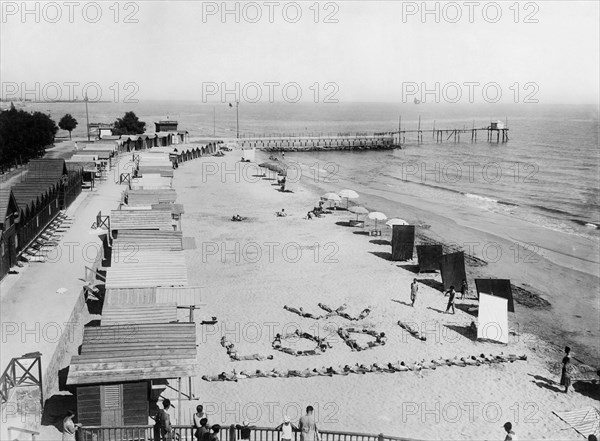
(111, 397)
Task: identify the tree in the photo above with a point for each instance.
(24, 135)
(129, 125)
(67, 122)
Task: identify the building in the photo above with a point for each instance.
(9, 214)
(165, 126)
(28, 207)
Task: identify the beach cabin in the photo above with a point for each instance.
(9, 214)
(120, 374)
(166, 126)
(497, 125)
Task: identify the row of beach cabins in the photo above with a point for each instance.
(145, 344)
(27, 208)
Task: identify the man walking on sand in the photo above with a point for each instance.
(510, 435)
(451, 293)
(414, 289)
(308, 427)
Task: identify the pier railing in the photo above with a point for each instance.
(186, 433)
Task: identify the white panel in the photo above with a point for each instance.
(493, 318)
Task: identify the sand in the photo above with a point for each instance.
(250, 270)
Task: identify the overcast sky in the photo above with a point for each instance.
(367, 50)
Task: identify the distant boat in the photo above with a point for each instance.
(416, 101)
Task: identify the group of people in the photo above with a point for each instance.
(340, 311)
(322, 344)
(237, 218)
(344, 333)
(451, 293)
(233, 354)
(399, 366)
(317, 211)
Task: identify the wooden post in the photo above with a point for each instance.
(232, 433)
(179, 400)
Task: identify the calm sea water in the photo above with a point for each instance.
(548, 173)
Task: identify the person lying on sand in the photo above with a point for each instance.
(237, 218)
(257, 357)
(323, 371)
(364, 313)
(398, 367)
(224, 376)
(325, 307)
(337, 371)
(354, 369)
(379, 368)
(211, 378)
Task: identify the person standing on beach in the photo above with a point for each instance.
(464, 289)
(308, 427)
(414, 289)
(202, 432)
(69, 427)
(287, 429)
(162, 425)
(245, 430)
(510, 435)
(451, 293)
(565, 378)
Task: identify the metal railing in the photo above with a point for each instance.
(186, 433)
(33, 433)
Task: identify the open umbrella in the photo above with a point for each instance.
(331, 197)
(396, 221)
(358, 210)
(348, 194)
(377, 216)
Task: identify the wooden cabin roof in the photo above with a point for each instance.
(138, 269)
(140, 220)
(149, 197)
(28, 193)
(181, 295)
(121, 353)
(145, 240)
(138, 314)
(47, 169)
(173, 208)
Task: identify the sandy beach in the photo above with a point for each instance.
(249, 270)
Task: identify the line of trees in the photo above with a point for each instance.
(24, 136)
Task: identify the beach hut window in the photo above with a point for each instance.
(37, 221)
(112, 396)
(2, 248)
(49, 209)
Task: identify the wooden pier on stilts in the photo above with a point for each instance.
(497, 132)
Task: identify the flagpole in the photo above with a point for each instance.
(237, 113)
(87, 117)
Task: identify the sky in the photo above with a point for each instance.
(375, 51)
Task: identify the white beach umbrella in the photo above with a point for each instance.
(396, 221)
(377, 216)
(331, 197)
(348, 194)
(358, 210)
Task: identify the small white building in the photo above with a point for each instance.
(497, 125)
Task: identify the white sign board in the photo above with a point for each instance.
(493, 318)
